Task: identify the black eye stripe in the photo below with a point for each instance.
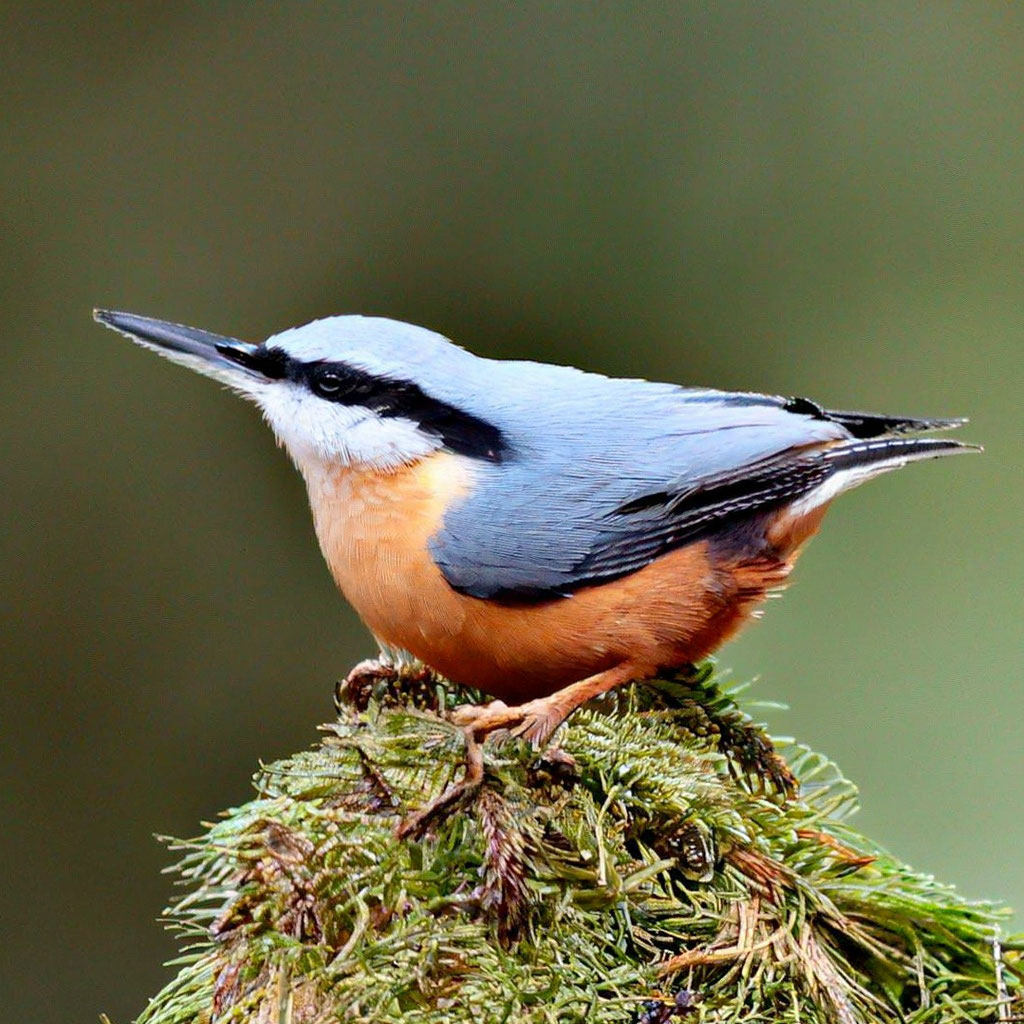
(459, 431)
(271, 362)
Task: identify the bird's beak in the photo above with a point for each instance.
(227, 359)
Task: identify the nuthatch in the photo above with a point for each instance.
(535, 531)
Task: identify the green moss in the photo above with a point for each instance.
(675, 854)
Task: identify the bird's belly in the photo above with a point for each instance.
(374, 531)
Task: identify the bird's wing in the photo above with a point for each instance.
(597, 493)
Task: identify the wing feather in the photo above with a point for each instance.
(597, 490)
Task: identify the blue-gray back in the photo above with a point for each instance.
(602, 475)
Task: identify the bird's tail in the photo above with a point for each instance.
(853, 462)
(872, 424)
(869, 424)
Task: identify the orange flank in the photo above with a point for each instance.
(374, 529)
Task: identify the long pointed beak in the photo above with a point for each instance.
(226, 359)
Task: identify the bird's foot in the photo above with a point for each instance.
(355, 690)
(389, 685)
(534, 721)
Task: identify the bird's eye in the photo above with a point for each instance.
(328, 383)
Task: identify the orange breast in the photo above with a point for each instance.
(374, 528)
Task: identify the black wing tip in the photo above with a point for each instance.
(947, 446)
(895, 450)
(953, 444)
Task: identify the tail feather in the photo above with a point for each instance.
(852, 463)
(882, 450)
(872, 424)
(868, 424)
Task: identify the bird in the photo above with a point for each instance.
(538, 532)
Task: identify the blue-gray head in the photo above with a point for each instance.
(346, 389)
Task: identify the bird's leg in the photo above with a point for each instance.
(535, 721)
(414, 825)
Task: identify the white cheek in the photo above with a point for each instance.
(316, 431)
(387, 442)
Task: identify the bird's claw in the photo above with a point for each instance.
(355, 689)
(534, 721)
(537, 722)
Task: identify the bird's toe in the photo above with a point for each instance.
(479, 717)
(539, 719)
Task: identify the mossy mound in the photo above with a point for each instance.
(670, 868)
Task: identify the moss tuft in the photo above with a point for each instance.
(674, 866)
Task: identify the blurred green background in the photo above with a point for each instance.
(825, 200)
